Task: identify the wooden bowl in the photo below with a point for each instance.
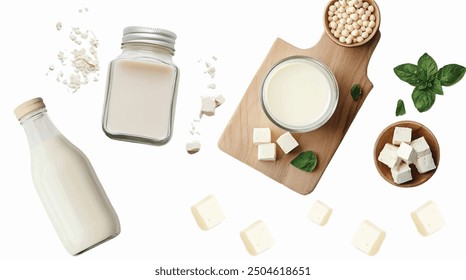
(418, 130)
(336, 40)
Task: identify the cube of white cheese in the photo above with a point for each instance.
(401, 174)
(388, 156)
(261, 135)
(406, 153)
(208, 105)
(421, 146)
(257, 238)
(427, 218)
(219, 100)
(267, 152)
(401, 134)
(287, 142)
(368, 238)
(193, 146)
(425, 163)
(320, 213)
(207, 213)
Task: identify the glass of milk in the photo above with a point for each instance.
(299, 94)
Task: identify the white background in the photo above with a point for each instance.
(153, 188)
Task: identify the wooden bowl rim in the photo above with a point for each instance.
(434, 146)
(336, 41)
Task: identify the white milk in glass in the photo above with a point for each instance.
(66, 183)
(299, 94)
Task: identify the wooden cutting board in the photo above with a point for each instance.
(349, 65)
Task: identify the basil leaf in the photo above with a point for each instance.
(408, 72)
(400, 108)
(423, 99)
(437, 87)
(306, 161)
(356, 92)
(428, 64)
(451, 74)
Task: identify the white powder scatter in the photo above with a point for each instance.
(212, 101)
(78, 61)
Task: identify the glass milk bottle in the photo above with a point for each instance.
(66, 183)
(142, 87)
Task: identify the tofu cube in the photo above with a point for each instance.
(219, 100)
(425, 163)
(193, 146)
(428, 219)
(406, 153)
(267, 152)
(257, 238)
(401, 134)
(368, 238)
(208, 105)
(421, 147)
(207, 213)
(388, 156)
(401, 174)
(261, 135)
(287, 142)
(320, 213)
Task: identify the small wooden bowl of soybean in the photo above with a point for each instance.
(418, 130)
(351, 23)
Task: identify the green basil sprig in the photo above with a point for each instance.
(428, 80)
(306, 161)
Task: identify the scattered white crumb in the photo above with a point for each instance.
(193, 145)
(79, 63)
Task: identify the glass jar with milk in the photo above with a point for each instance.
(142, 87)
(66, 183)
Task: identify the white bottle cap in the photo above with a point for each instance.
(29, 106)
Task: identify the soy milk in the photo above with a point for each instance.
(66, 183)
(299, 94)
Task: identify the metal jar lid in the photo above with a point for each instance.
(158, 36)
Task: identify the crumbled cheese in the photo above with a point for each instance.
(193, 146)
(219, 100)
(209, 103)
(427, 218)
(211, 71)
(79, 63)
(287, 142)
(261, 135)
